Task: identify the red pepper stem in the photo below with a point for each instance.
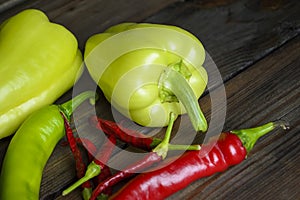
(162, 148)
(92, 170)
(69, 107)
(251, 135)
(173, 83)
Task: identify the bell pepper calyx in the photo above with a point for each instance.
(173, 85)
(182, 69)
(165, 94)
(93, 170)
(251, 135)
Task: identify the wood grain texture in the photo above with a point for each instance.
(7, 4)
(255, 45)
(237, 33)
(87, 17)
(271, 168)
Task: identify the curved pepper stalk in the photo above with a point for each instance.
(172, 82)
(251, 135)
(69, 107)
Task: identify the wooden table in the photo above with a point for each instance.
(256, 46)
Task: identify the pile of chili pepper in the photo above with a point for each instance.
(177, 80)
(177, 172)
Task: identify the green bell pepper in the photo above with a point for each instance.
(39, 62)
(148, 71)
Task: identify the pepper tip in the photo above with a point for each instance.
(285, 125)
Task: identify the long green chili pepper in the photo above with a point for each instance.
(31, 147)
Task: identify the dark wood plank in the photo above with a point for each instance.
(87, 17)
(7, 4)
(268, 91)
(83, 18)
(235, 33)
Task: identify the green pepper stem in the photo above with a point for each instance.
(69, 107)
(157, 141)
(162, 148)
(93, 170)
(86, 193)
(174, 82)
(184, 147)
(102, 196)
(251, 135)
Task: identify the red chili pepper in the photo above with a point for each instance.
(96, 166)
(88, 145)
(146, 162)
(126, 135)
(105, 153)
(80, 166)
(105, 173)
(132, 137)
(219, 154)
(158, 153)
(101, 158)
(92, 150)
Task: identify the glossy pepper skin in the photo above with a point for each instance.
(130, 62)
(39, 62)
(30, 148)
(220, 153)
